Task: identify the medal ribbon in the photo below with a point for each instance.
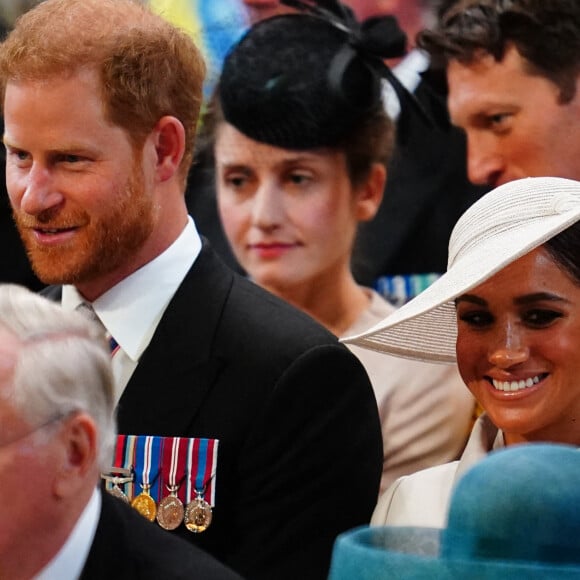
(119, 452)
(175, 465)
(161, 461)
(129, 461)
(147, 462)
(170, 455)
(201, 467)
(174, 456)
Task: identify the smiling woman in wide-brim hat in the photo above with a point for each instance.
(508, 311)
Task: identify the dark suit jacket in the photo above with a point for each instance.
(127, 546)
(427, 191)
(300, 452)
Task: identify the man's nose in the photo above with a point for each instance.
(484, 164)
(40, 193)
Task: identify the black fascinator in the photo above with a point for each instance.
(303, 81)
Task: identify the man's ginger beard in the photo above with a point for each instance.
(104, 243)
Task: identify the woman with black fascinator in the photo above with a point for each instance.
(301, 148)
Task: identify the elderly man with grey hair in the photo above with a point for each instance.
(57, 429)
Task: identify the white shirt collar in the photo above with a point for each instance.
(70, 560)
(408, 71)
(132, 309)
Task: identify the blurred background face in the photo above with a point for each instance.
(411, 14)
(290, 216)
(26, 462)
(261, 9)
(517, 349)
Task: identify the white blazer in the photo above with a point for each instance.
(422, 499)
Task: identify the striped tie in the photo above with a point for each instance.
(86, 309)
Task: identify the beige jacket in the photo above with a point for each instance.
(425, 409)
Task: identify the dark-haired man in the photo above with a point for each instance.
(513, 73)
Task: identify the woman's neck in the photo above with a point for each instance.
(335, 302)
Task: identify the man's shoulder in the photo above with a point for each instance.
(260, 331)
(272, 316)
(148, 551)
(244, 307)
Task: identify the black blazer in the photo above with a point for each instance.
(300, 452)
(427, 191)
(127, 546)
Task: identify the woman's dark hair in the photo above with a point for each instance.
(565, 251)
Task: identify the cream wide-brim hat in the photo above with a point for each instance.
(502, 226)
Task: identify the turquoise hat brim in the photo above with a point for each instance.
(405, 553)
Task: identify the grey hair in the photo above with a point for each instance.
(63, 364)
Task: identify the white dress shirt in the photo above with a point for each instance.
(408, 71)
(70, 560)
(132, 309)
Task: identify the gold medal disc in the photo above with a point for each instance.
(170, 512)
(145, 505)
(197, 515)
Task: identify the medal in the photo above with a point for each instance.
(170, 511)
(201, 463)
(116, 491)
(145, 504)
(116, 480)
(185, 467)
(198, 514)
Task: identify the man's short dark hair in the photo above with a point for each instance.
(546, 33)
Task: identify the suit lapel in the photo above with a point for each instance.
(177, 368)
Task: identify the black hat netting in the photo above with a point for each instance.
(295, 82)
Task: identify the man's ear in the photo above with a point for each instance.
(78, 457)
(370, 193)
(168, 139)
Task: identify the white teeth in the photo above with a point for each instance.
(515, 385)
